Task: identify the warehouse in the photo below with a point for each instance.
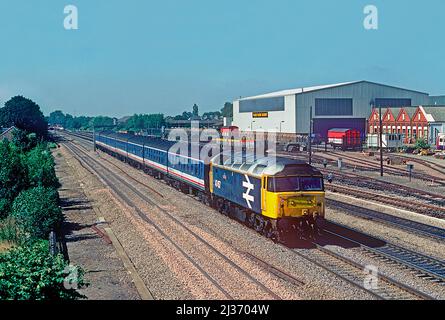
(342, 105)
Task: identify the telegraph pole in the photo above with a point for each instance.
(94, 138)
(381, 140)
(310, 136)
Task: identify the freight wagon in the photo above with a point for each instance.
(273, 198)
(389, 141)
(345, 139)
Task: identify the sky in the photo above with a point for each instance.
(146, 56)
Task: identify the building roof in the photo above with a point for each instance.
(5, 133)
(410, 111)
(434, 113)
(395, 111)
(317, 88)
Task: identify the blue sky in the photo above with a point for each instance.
(144, 56)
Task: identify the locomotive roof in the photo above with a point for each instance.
(268, 165)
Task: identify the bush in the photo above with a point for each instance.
(37, 212)
(40, 165)
(24, 141)
(13, 176)
(422, 144)
(32, 273)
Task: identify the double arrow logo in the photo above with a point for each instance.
(250, 187)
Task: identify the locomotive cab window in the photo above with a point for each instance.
(293, 184)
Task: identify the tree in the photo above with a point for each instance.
(40, 167)
(24, 141)
(211, 115)
(422, 144)
(12, 175)
(57, 118)
(25, 114)
(32, 273)
(37, 212)
(195, 110)
(227, 110)
(101, 121)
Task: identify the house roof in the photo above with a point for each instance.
(5, 132)
(410, 111)
(435, 113)
(395, 111)
(316, 88)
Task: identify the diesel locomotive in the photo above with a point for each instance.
(274, 199)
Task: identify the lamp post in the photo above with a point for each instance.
(381, 140)
(310, 135)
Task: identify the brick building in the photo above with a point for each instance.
(422, 122)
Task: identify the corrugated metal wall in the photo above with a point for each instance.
(362, 94)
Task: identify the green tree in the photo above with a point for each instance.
(32, 273)
(57, 118)
(227, 110)
(422, 144)
(25, 114)
(12, 175)
(40, 167)
(101, 121)
(24, 141)
(195, 110)
(37, 212)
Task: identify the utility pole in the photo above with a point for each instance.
(94, 138)
(381, 140)
(310, 136)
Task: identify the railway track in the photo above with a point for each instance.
(413, 206)
(397, 171)
(369, 167)
(391, 289)
(424, 266)
(387, 219)
(354, 273)
(112, 180)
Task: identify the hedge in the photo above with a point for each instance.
(32, 273)
(37, 212)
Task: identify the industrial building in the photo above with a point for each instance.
(342, 105)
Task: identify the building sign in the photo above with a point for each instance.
(260, 114)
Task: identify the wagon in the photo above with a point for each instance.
(345, 139)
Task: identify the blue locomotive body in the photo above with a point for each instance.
(237, 187)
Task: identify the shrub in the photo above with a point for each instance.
(40, 165)
(32, 273)
(13, 176)
(422, 144)
(9, 231)
(24, 141)
(37, 212)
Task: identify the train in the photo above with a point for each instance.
(389, 141)
(275, 199)
(345, 139)
(440, 145)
